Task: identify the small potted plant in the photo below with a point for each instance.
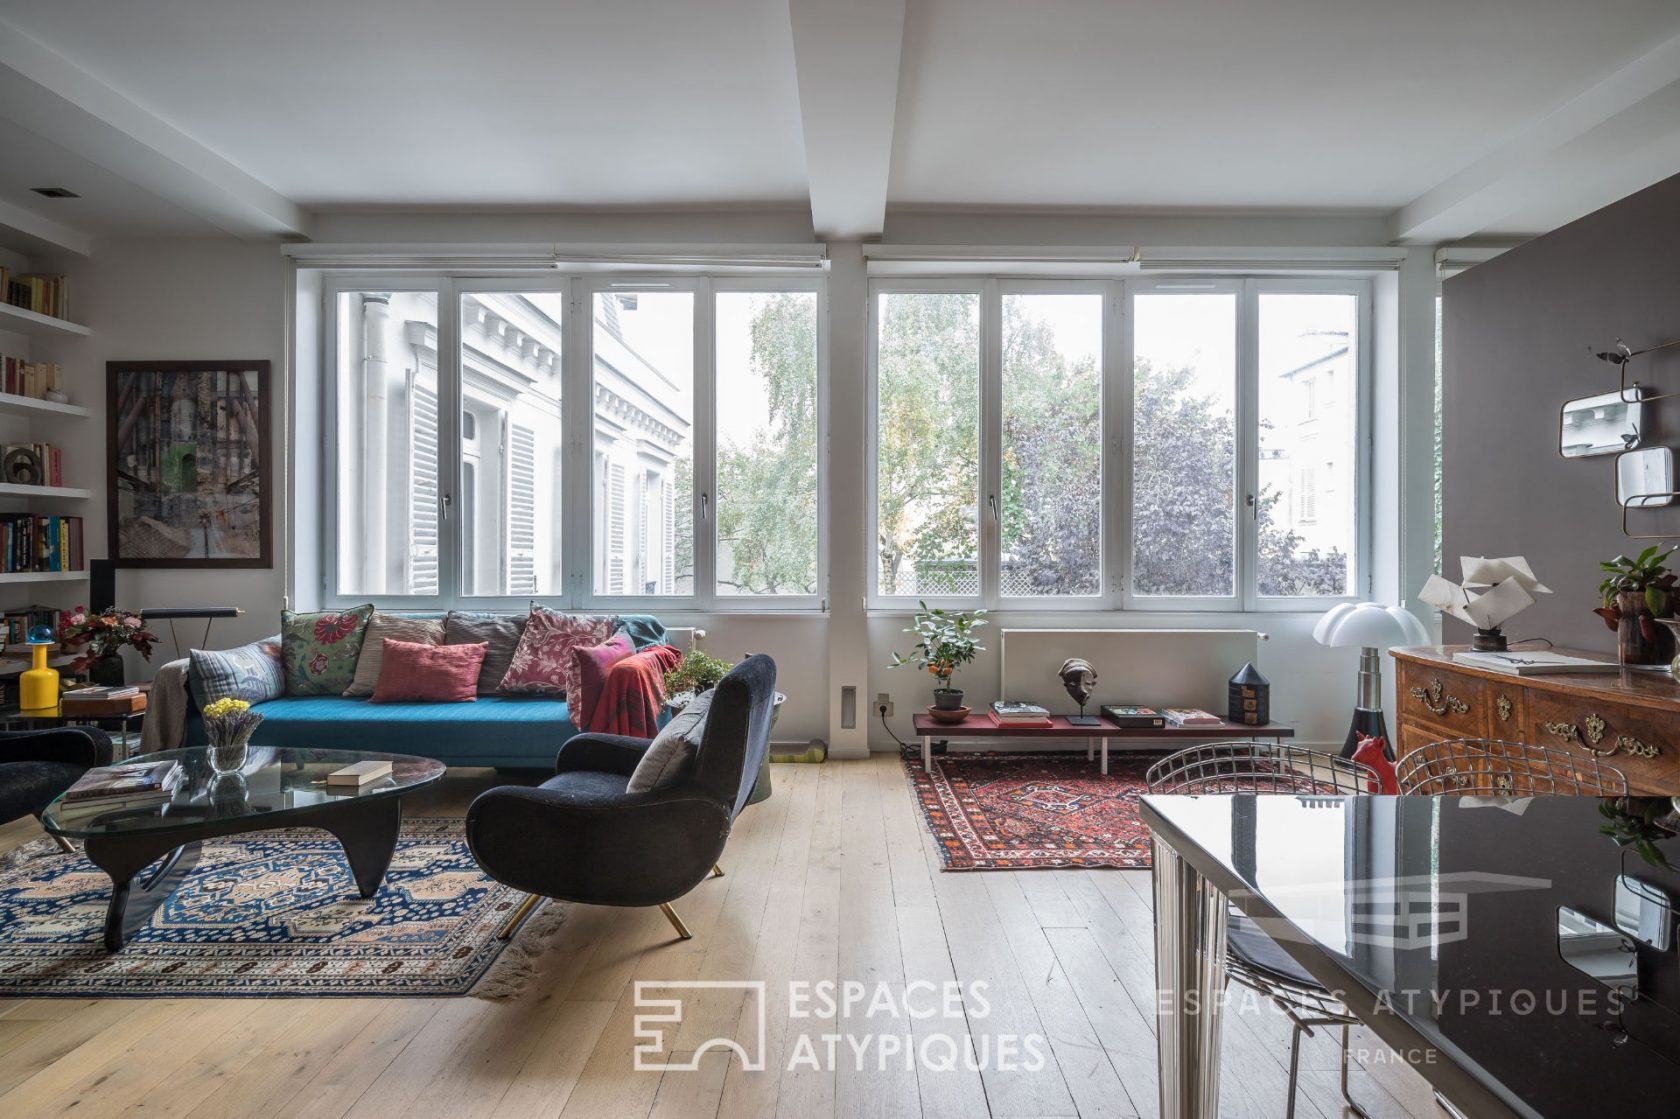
(1634, 594)
(946, 643)
(695, 673)
(228, 726)
(101, 639)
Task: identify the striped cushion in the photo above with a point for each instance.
(418, 631)
(251, 672)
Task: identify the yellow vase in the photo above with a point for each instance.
(38, 685)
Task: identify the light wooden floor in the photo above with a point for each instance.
(835, 877)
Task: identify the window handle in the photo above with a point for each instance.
(705, 506)
(444, 501)
(991, 500)
(1253, 504)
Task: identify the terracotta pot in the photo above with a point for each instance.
(1639, 639)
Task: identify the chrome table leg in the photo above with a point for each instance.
(1190, 984)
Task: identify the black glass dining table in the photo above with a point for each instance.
(1512, 953)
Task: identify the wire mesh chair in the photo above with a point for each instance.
(1493, 767)
(1254, 959)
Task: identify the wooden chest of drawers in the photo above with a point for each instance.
(1630, 720)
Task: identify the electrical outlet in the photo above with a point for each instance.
(884, 700)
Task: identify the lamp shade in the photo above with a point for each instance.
(1369, 625)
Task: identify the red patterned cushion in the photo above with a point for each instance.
(543, 664)
(593, 664)
(416, 673)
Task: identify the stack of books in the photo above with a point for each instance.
(22, 377)
(35, 291)
(35, 543)
(1538, 663)
(16, 624)
(138, 785)
(1131, 715)
(1191, 717)
(1008, 713)
(103, 701)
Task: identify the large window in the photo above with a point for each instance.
(580, 442)
(1210, 426)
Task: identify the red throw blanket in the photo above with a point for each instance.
(634, 694)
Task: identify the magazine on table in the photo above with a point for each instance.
(1537, 663)
(141, 780)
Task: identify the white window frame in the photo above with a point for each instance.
(576, 522)
(1117, 416)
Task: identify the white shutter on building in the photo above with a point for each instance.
(668, 553)
(521, 521)
(422, 573)
(616, 516)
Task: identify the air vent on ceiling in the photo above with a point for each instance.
(55, 192)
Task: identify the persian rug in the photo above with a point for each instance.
(272, 913)
(998, 811)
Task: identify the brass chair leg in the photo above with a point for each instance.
(63, 844)
(526, 907)
(717, 871)
(676, 922)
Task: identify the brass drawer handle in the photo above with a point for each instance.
(1594, 734)
(1438, 703)
(1502, 707)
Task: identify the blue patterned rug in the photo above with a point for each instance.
(271, 913)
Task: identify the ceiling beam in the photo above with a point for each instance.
(51, 96)
(846, 62)
(1619, 136)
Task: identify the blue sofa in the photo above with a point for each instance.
(508, 732)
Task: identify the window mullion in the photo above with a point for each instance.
(1117, 445)
(705, 445)
(450, 543)
(1248, 447)
(991, 444)
(578, 393)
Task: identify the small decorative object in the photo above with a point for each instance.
(55, 396)
(22, 467)
(188, 464)
(1635, 593)
(228, 726)
(1078, 677)
(38, 684)
(1600, 425)
(947, 643)
(1371, 626)
(1642, 823)
(1250, 698)
(696, 673)
(1511, 589)
(101, 639)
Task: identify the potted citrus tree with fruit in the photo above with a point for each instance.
(945, 642)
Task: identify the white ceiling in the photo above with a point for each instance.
(246, 117)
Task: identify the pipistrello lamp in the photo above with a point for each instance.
(1373, 627)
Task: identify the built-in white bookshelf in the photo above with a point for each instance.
(20, 320)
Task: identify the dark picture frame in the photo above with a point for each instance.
(186, 488)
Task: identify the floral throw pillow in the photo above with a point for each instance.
(320, 650)
(543, 664)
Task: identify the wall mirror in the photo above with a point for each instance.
(1601, 425)
(1589, 945)
(1645, 913)
(1644, 478)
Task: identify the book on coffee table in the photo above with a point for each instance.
(1192, 717)
(362, 773)
(1133, 716)
(138, 782)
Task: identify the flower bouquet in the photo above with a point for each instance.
(228, 725)
(100, 638)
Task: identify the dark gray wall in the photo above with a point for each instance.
(1518, 337)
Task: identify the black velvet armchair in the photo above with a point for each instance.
(37, 765)
(580, 836)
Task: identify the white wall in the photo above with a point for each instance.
(187, 299)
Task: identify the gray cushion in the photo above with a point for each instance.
(672, 749)
(421, 631)
(253, 673)
(499, 632)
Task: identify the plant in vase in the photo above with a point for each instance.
(946, 643)
(228, 726)
(1642, 823)
(695, 673)
(1636, 593)
(101, 638)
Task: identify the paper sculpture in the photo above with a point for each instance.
(1510, 587)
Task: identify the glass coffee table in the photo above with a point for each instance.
(278, 787)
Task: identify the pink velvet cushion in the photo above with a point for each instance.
(416, 673)
(543, 664)
(593, 664)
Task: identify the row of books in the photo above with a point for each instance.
(22, 377)
(35, 291)
(1011, 713)
(16, 624)
(49, 456)
(30, 542)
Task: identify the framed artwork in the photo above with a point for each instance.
(188, 464)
